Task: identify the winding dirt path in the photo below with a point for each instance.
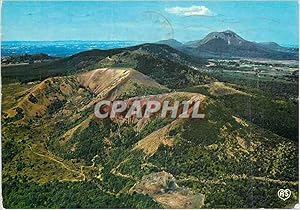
(81, 174)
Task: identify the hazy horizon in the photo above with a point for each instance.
(138, 42)
(148, 21)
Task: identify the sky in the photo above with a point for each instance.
(149, 21)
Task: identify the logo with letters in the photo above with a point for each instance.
(284, 194)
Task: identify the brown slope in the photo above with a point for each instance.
(81, 90)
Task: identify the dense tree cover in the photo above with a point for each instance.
(9, 149)
(225, 147)
(170, 73)
(275, 113)
(89, 142)
(272, 86)
(20, 193)
(244, 193)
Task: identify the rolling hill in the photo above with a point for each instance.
(153, 60)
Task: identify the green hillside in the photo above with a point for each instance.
(56, 154)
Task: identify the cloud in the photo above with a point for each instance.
(190, 11)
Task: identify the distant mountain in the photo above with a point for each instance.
(228, 44)
(275, 46)
(172, 43)
(228, 37)
(272, 45)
